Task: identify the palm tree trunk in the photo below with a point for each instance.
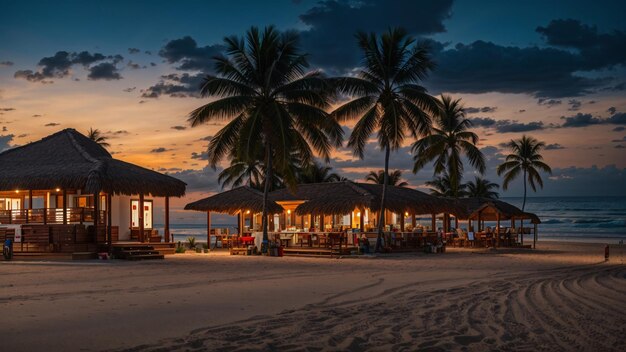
(381, 218)
(266, 190)
(523, 206)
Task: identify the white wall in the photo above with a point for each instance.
(120, 215)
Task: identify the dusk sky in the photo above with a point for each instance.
(555, 70)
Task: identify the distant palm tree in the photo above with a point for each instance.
(441, 186)
(393, 179)
(273, 105)
(482, 188)
(98, 137)
(525, 159)
(388, 98)
(449, 139)
(317, 173)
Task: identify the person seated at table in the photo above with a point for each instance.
(364, 244)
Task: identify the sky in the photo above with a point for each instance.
(555, 70)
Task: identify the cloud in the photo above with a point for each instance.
(554, 146)
(134, 65)
(37, 115)
(176, 86)
(619, 146)
(205, 179)
(186, 52)
(619, 140)
(584, 120)
(59, 65)
(611, 110)
(548, 102)
(133, 50)
(159, 150)
(6, 63)
(7, 109)
(200, 156)
(332, 25)
(484, 109)
(5, 141)
(179, 128)
(51, 124)
(619, 129)
(597, 50)
(507, 126)
(104, 71)
(128, 90)
(574, 105)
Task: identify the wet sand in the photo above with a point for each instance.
(561, 296)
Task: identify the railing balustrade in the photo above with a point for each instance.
(50, 216)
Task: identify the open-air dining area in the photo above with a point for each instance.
(342, 218)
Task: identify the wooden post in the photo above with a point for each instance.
(240, 221)
(109, 221)
(513, 228)
(30, 205)
(64, 206)
(362, 219)
(45, 208)
(96, 214)
(166, 231)
(208, 230)
(433, 222)
(535, 238)
(456, 222)
(413, 221)
(497, 229)
(322, 228)
(478, 221)
(401, 222)
(141, 223)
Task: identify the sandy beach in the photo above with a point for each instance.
(562, 296)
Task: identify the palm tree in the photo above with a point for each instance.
(482, 188)
(526, 159)
(318, 173)
(441, 186)
(388, 98)
(98, 137)
(393, 179)
(448, 140)
(273, 106)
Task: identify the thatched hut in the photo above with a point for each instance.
(67, 178)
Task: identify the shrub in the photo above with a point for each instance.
(191, 242)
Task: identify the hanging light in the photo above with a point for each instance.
(406, 213)
(247, 211)
(17, 191)
(288, 211)
(358, 213)
(58, 189)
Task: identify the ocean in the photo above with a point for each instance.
(581, 219)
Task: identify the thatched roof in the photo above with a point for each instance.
(234, 200)
(343, 197)
(69, 160)
(469, 208)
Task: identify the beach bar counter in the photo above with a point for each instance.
(65, 193)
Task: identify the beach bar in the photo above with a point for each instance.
(66, 193)
(326, 218)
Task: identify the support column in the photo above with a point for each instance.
(96, 214)
(535, 237)
(64, 206)
(208, 229)
(402, 222)
(456, 222)
(362, 219)
(497, 229)
(433, 222)
(141, 220)
(166, 231)
(322, 228)
(414, 221)
(46, 202)
(30, 205)
(109, 221)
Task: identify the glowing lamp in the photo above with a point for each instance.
(58, 189)
(247, 211)
(289, 211)
(358, 213)
(406, 213)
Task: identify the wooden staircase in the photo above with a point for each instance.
(136, 252)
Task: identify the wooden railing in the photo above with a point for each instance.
(50, 216)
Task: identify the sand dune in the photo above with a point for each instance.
(559, 297)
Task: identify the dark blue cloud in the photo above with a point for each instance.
(332, 25)
(5, 142)
(176, 86)
(584, 120)
(186, 53)
(59, 65)
(104, 71)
